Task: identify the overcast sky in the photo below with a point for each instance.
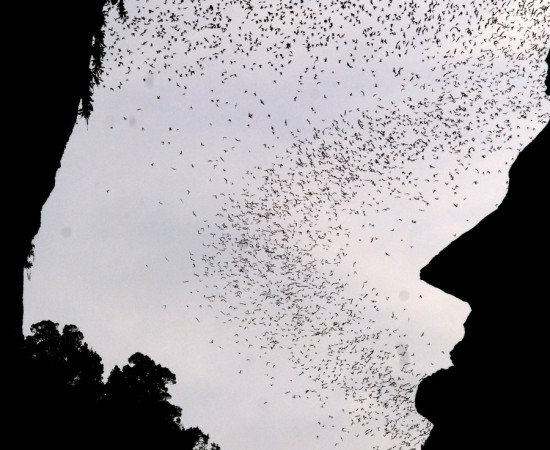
(251, 204)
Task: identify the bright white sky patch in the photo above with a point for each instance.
(251, 204)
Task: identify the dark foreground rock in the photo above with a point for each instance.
(491, 397)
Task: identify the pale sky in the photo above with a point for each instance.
(258, 224)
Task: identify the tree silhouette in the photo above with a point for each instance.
(136, 402)
(61, 397)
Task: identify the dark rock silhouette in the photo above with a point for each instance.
(489, 398)
(49, 85)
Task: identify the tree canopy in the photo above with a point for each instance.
(62, 397)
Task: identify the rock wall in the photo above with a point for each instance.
(490, 397)
(48, 74)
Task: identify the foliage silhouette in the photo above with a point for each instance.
(62, 394)
(97, 53)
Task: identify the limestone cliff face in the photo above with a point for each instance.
(47, 79)
(500, 268)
